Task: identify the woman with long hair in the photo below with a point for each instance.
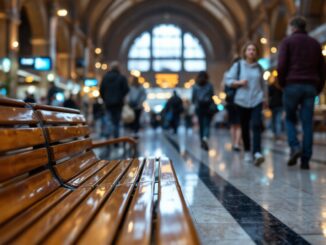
(250, 98)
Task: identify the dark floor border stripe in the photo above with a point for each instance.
(260, 225)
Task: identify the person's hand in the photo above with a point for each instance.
(243, 83)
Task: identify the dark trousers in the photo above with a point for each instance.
(204, 124)
(136, 124)
(251, 118)
(114, 115)
(300, 97)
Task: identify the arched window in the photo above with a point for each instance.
(166, 48)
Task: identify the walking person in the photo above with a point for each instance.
(136, 98)
(275, 103)
(113, 90)
(173, 110)
(301, 69)
(250, 98)
(202, 98)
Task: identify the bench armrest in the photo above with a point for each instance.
(130, 140)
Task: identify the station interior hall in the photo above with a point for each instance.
(60, 53)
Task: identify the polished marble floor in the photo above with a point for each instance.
(233, 202)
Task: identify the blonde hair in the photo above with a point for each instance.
(244, 49)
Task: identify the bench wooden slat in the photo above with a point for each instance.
(71, 148)
(26, 219)
(110, 215)
(52, 117)
(74, 224)
(74, 166)
(62, 132)
(132, 173)
(148, 174)
(101, 175)
(12, 102)
(174, 225)
(25, 193)
(14, 165)
(82, 177)
(55, 108)
(137, 226)
(117, 173)
(166, 171)
(43, 226)
(12, 139)
(14, 115)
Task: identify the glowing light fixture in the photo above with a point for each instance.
(263, 40)
(98, 51)
(135, 73)
(273, 50)
(98, 65)
(62, 12)
(266, 75)
(104, 67)
(50, 77)
(15, 44)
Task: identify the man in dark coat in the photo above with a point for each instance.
(301, 69)
(113, 89)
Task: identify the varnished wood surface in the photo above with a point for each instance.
(21, 195)
(71, 148)
(53, 117)
(71, 168)
(137, 226)
(14, 115)
(40, 229)
(27, 218)
(174, 225)
(88, 173)
(102, 174)
(14, 165)
(133, 172)
(148, 173)
(166, 171)
(55, 108)
(71, 228)
(12, 102)
(12, 139)
(117, 173)
(105, 225)
(62, 132)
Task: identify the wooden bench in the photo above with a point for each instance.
(54, 190)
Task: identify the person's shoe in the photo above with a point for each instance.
(304, 165)
(258, 158)
(294, 157)
(204, 144)
(247, 157)
(236, 148)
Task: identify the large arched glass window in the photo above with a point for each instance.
(166, 48)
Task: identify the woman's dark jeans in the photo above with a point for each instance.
(251, 117)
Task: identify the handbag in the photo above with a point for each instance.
(128, 114)
(229, 91)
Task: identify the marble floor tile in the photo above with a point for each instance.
(223, 231)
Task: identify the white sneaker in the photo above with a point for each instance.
(247, 157)
(258, 158)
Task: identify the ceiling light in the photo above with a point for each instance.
(62, 12)
(98, 51)
(263, 40)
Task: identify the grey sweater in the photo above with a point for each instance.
(256, 90)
